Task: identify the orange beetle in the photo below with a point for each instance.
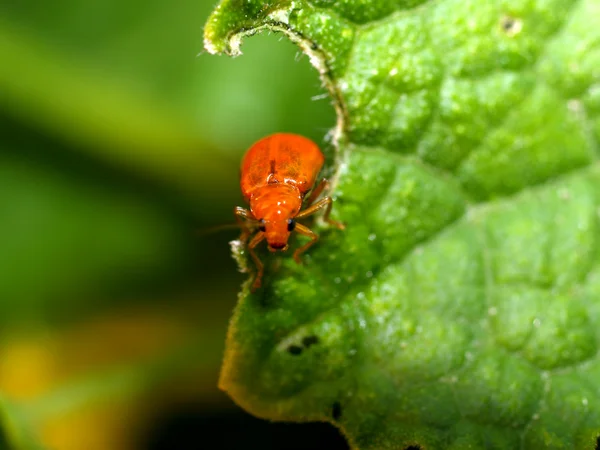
(277, 172)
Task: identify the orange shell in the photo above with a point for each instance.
(281, 158)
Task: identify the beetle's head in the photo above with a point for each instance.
(277, 232)
(275, 207)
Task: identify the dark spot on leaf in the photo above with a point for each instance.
(314, 46)
(507, 24)
(413, 447)
(511, 25)
(294, 349)
(265, 296)
(310, 340)
(336, 411)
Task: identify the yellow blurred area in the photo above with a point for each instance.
(33, 362)
(38, 364)
(100, 427)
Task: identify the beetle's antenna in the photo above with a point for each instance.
(216, 228)
(226, 226)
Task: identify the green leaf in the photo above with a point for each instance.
(460, 308)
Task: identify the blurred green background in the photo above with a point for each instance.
(120, 139)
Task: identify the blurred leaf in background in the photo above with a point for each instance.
(119, 140)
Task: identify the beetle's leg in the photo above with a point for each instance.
(257, 239)
(305, 231)
(324, 184)
(241, 216)
(325, 202)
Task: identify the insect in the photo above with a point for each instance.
(276, 174)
